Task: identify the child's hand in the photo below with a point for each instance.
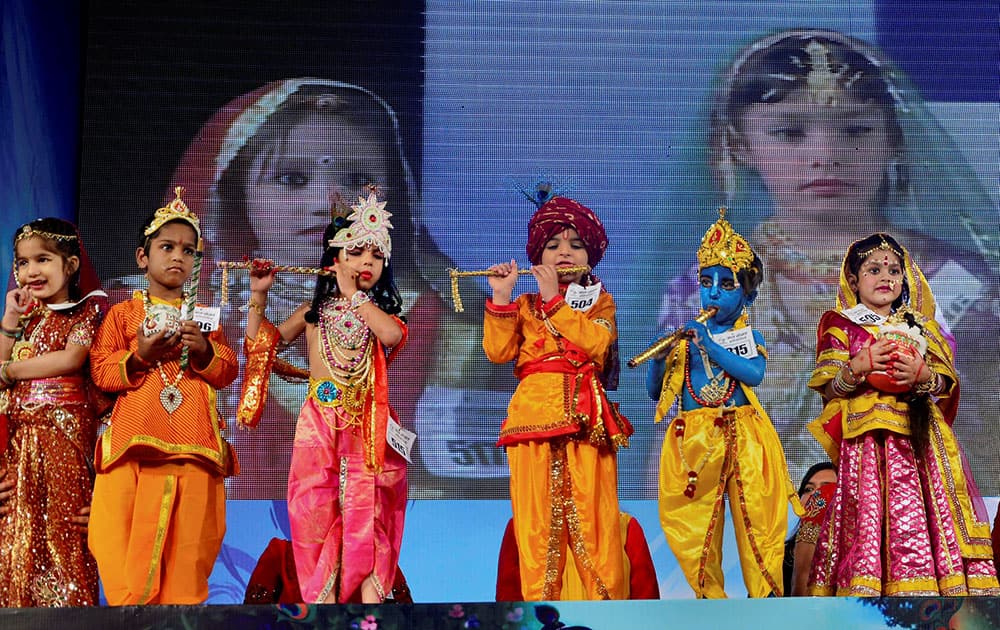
(910, 369)
(261, 275)
(698, 331)
(82, 519)
(152, 349)
(18, 301)
(6, 492)
(875, 357)
(502, 279)
(347, 279)
(547, 277)
(192, 338)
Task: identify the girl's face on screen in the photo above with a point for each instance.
(819, 162)
(323, 160)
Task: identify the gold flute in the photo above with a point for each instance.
(455, 274)
(663, 344)
(226, 265)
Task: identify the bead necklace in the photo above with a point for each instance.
(678, 426)
(344, 323)
(717, 391)
(170, 394)
(351, 372)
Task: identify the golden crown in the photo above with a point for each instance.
(722, 245)
(176, 210)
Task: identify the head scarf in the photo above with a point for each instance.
(89, 282)
(920, 297)
(560, 213)
(930, 171)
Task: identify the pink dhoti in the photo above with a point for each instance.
(899, 525)
(346, 518)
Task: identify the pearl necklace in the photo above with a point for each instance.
(170, 394)
(351, 372)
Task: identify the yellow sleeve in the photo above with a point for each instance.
(502, 336)
(592, 331)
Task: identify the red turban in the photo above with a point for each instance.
(559, 213)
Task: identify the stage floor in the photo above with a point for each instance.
(813, 613)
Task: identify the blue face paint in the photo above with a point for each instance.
(720, 288)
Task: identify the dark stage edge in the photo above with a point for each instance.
(811, 613)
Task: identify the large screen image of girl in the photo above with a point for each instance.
(814, 129)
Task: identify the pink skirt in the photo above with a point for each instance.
(346, 520)
(893, 525)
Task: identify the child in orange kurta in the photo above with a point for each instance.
(159, 508)
(561, 432)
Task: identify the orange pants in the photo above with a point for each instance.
(564, 495)
(155, 531)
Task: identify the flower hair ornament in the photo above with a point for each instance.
(369, 225)
(722, 245)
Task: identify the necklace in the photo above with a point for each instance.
(717, 391)
(170, 394)
(343, 322)
(350, 368)
(679, 426)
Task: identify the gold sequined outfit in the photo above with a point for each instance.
(44, 559)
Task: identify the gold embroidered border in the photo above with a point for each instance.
(557, 520)
(156, 553)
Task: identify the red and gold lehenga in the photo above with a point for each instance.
(44, 559)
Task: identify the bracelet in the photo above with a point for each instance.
(13, 334)
(255, 307)
(143, 363)
(840, 387)
(359, 298)
(855, 378)
(4, 377)
(931, 387)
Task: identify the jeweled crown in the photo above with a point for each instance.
(176, 210)
(369, 225)
(722, 245)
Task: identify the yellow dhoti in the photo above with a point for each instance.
(733, 451)
(565, 502)
(155, 531)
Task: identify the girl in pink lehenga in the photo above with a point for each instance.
(906, 517)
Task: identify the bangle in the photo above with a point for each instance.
(855, 378)
(359, 298)
(931, 387)
(255, 307)
(143, 363)
(4, 377)
(13, 334)
(841, 387)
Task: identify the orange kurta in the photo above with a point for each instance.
(141, 429)
(561, 435)
(158, 512)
